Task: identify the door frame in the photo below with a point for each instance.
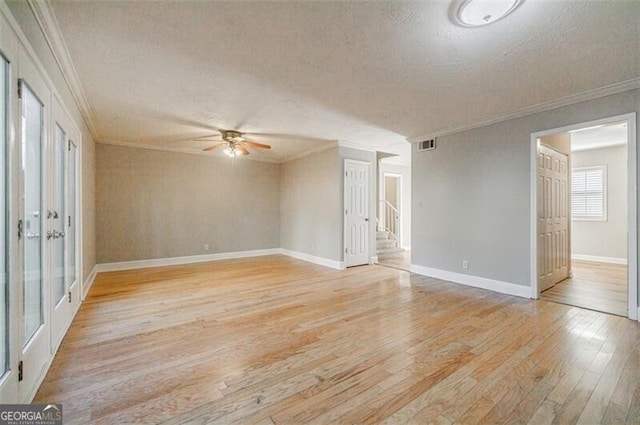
(399, 195)
(632, 205)
(344, 203)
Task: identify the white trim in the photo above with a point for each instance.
(597, 259)
(475, 281)
(375, 260)
(358, 146)
(632, 205)
(611, 89)
(51, 31)
(328, 146)
(338, 265)
(88, 282)
(190, 151)
(191, 259)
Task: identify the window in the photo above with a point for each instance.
(589, 193)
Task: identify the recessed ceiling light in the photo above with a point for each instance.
(474, 13)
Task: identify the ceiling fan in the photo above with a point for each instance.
(233, 143)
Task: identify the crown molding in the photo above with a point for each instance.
(353, 145)
(597, 93)
(201, 153)
(319, 149)
(51, 30)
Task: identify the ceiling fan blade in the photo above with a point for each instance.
(208, 137)
(214, 147)
(256, 144)
(242, 149)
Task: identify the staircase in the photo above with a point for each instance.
(387, 246)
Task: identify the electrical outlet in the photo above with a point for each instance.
(465, 264)
(206, 247)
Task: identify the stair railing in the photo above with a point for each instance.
(389, 219)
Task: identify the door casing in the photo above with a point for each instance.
(632, 204)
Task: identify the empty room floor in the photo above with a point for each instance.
(402, 262)
(597, 286)
(274, 340)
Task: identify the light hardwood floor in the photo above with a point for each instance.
(597, 286)
(274, 340)
(402, 262)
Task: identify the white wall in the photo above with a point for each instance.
(604, 238)
(471, 196)
(405, 208)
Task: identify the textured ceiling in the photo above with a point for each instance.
(373, 73)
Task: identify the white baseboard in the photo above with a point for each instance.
(374, 260)
(88, 283)
(338, 265)
(173, 261)
(597, 259)
(475, 281)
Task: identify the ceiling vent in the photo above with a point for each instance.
(427, 145)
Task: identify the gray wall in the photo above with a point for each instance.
(604, 238)
(311, 205)
(154, 204)
(405, 209)
(25, 18)
(471, 196)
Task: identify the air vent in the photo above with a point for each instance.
(427, 145)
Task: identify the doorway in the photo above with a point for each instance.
(590, 263)
(393, 227)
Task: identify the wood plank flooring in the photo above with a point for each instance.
(597, 286)
(274, 340)
(402, 262)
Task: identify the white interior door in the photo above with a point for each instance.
(35, 329)
(356, 204)
(553, 217)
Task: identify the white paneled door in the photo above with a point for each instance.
(553, 217)
(356, 214)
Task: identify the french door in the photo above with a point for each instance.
(47, 236)
(65, 291)
(33, 225)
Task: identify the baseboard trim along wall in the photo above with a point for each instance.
(597, 259)
(475, 281)
(190, 259)
(88, 283)
(334, 264)
(174, 261)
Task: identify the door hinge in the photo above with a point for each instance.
(69, 221)
(69, 296)
(346, 251)
(20, 371)
(69, 145)
(20, 88)
(20, 228)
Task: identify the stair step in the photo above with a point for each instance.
(386, 243)
(386, 255)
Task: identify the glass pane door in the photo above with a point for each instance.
(32, 133)
(58, 216)
(4, 220)
(71, 216)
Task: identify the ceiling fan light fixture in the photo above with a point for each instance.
(231, 152)
(475, 13)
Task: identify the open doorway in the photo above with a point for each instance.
(393, 236)
(585, 216)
